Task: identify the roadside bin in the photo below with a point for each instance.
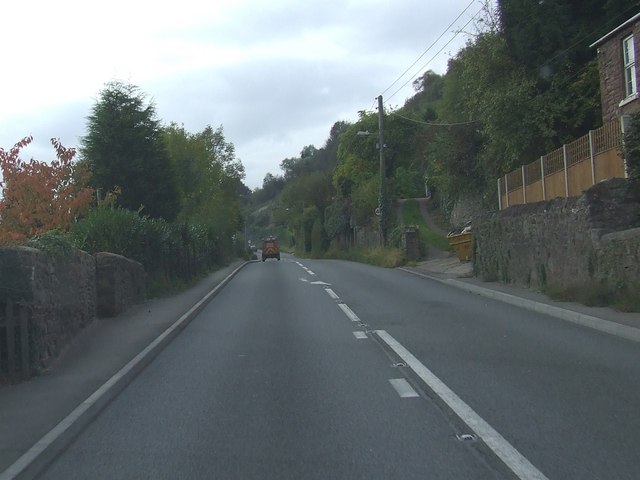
(462, 244)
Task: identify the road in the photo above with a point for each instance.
(329, 369)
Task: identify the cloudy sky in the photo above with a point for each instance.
(276, 74)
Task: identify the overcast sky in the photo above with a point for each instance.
(276, 74)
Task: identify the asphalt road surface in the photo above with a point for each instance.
(335, 370)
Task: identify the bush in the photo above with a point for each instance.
(168, 252)
(596, 294)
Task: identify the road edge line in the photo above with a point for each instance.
(43, 452)
(511, 457)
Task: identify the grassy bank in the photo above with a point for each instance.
(412, 216)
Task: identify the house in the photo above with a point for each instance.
(617, 53)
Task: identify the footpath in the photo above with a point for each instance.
(39, 417)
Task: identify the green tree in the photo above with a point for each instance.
(209, 177)
(123, 148)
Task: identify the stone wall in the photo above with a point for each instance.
(62, 294)
(465, 209)
(59, 293)
(619, 257)
(564, 241)
(120, 283)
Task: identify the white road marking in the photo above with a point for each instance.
(348, 312)
(305, 268)
(318, 282)
(332, 294)
(302, 279)
(360, 335)
(403, 388)
(496, 442)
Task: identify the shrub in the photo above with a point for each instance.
(168, 252)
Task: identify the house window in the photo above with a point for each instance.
(629, 58)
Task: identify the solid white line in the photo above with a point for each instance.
(496, 442)
(360, 335)
(403, 388)
(348, 312)
(332, 294)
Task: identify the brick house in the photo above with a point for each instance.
(617, 53)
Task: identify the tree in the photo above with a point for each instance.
(123, 148)
(37, 196)
(209, 178)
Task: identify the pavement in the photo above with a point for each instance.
(40, 417)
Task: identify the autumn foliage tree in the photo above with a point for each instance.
(38, 196)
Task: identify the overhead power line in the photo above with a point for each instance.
(433, 123)
(433, 57)
(428, 48)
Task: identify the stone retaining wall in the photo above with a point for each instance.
(566, 241)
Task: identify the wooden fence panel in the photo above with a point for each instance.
(567, 171)
(555, 185)
(609, 164)
(516, 197)
(534, 192)
(579, 177)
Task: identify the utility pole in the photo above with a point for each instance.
(383, 175)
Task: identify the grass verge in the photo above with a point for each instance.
(597, 294)
(382, 257)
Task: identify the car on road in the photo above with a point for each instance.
(270, 248)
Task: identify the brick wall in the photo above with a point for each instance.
(612, 90)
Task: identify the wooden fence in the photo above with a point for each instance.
(14, 342)
(567, 171)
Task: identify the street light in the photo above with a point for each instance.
(380, 211)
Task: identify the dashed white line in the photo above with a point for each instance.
(332, 294)
(403, 388)
(496, 442)
(360, 335)
(348, 312)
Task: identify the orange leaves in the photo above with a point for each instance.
(38, 197)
